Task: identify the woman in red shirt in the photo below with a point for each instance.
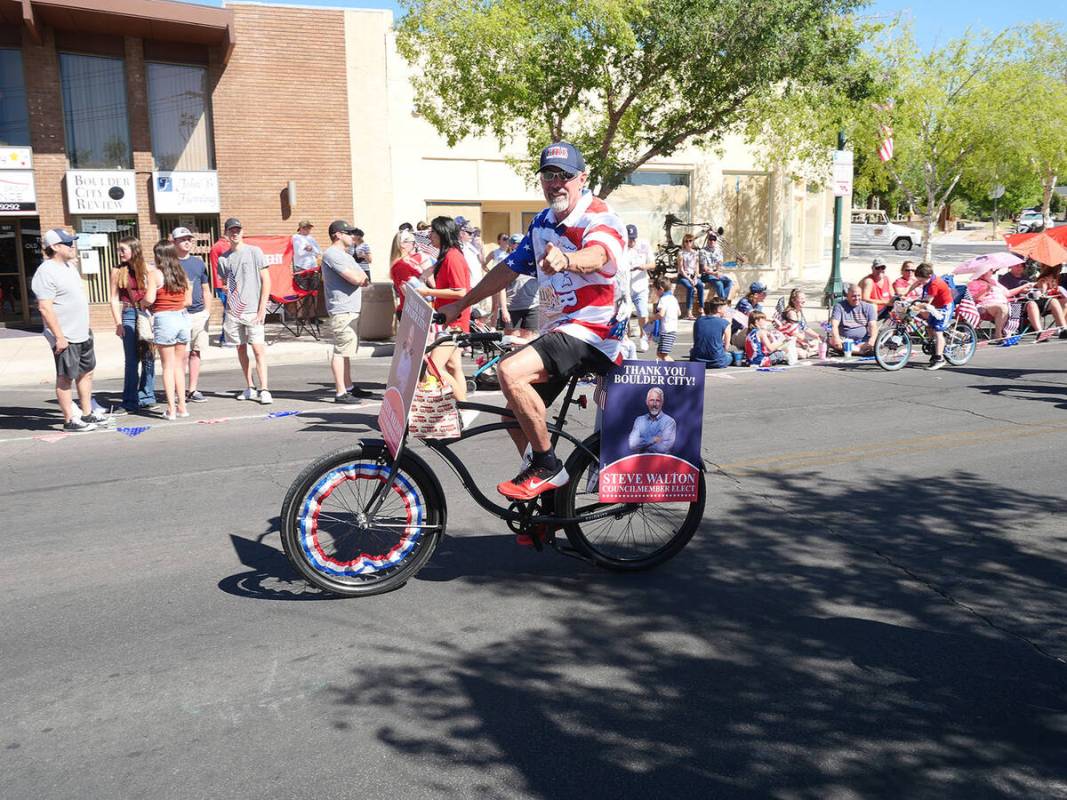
(449, 282)
(407, 263)
(168, 294)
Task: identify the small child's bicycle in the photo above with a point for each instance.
(360, 522)
(905, 328)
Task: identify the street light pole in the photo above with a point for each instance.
(835, 290)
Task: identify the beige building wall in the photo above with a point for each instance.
(403, 170)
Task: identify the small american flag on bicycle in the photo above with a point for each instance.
(422, 244)
(967, 311)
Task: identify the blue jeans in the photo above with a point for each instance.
(221, 294)
(721, 286)
(139, 380)
(689, 289)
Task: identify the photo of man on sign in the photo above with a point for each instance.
(646, 454)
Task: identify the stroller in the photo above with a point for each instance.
(486, 356)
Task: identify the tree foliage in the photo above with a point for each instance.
(625, 80)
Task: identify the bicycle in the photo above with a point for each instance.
(893, 345)
(359, 521)
(667, 253)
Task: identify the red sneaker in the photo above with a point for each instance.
(532, 481)
(541, 533)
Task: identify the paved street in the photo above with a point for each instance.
(873, 607)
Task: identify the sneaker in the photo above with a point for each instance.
(359, 391)
(541, 533)
(196, 396)
(264, 398)
(346, 399)
(78, 425)
(248, 394)
(183, 414)
(148, 406)
(119, 411)
(936, 363)
(168, 415)
(1063, 333)
(96, 418)
(532, 481)
(642, 345)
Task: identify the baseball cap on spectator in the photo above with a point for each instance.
(631, 231)
(464, 224)
(181, 233)
(341, 226)
(756, 287)
(232, 222)
(562, 155)
(305, 223)
(515, 238)
(57, 236)
(878, 262)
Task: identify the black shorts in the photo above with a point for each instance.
(563, 357)
(525, 318)
(76, 360)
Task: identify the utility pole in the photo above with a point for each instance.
(834, 290)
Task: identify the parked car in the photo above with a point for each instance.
(872, 227)
(1030, 221)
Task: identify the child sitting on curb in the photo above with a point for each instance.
(711, 335)
(763, 350)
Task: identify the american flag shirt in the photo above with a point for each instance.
(579, 304)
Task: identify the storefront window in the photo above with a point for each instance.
(94, 110)
(647, 196)
(14, 119)
(180, 117)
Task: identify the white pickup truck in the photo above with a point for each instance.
(872, 227)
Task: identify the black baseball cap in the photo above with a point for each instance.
(562, 155)
(341, 226)
(631, 231)
(232, 222)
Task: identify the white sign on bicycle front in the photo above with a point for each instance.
(412, 334)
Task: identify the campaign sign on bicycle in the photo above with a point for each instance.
(650, 437)
(412, 334)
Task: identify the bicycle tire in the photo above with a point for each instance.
(961, 340)
(595, 540)
(892, 349)
(328, 543)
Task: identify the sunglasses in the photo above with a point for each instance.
(876, 269)
(548, 175)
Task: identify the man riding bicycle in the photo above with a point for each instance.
(574, 247)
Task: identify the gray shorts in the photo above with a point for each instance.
(77, 360)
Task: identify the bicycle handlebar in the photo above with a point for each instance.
(461, 338)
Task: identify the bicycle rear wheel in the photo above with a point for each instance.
(961, 340)
(892, 348)
(334, 544)
(637, 536)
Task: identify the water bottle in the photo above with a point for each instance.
(847, 345)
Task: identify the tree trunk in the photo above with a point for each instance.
(1048, 185)
(929, 226)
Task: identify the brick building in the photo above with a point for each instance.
(135, 116)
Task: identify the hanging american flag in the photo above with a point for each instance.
(885, 150)
(966, 310)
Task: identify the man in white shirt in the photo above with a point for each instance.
(640, 260)
(306, 250)
(473, 255)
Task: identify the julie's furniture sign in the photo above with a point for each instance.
(186, 192)
(102, 191)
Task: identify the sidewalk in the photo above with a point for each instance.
(25, 358)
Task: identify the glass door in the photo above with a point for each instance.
(13, 302)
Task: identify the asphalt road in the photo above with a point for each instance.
(873, 607)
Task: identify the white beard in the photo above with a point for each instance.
(559, 204)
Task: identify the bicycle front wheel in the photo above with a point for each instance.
(892, 348)
(636, 536)
(961, 340)
(332, 540)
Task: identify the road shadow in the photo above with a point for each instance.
(806, 644)
(269, 576)
(1056, 395)
(26, 418)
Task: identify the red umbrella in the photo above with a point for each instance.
(1041, 247)
(1059, 234)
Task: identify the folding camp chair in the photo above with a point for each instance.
(296, 292)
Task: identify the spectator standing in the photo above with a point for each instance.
(64, 309)
(361, 251)
(406, 263)
(473, 256)
(221, 246)
(688, 268)
(129, 281)
(639, 260)
(519, 312)
(450, 282)
(244, 268)
(875, 289)
(855, 319)
(306, 250)
(169, 294)
(711, 266)
(199, 309)
(343, 279)
(711, 335)
(667, 312)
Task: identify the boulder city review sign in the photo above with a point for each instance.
(101, 191)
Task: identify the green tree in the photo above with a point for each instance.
(948, 115)
(625, 80)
